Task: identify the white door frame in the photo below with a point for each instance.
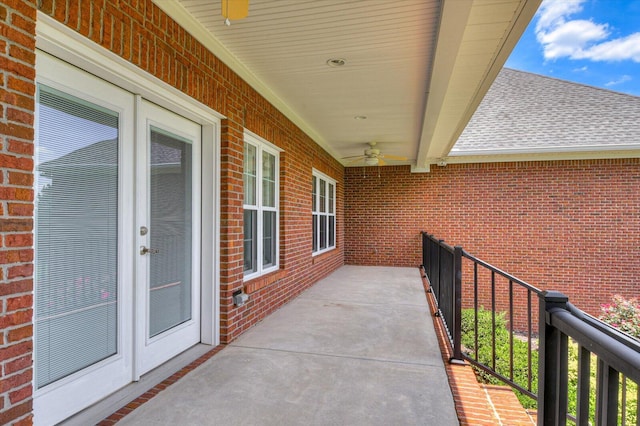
(58, 40)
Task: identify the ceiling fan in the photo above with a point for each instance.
(373, 157)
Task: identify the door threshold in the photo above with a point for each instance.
(112, 403)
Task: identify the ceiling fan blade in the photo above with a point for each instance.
(352, 156)
(381, 162)
(357, 160)
(393, 157)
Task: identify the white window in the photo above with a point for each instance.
(261, 204)
(324, 212)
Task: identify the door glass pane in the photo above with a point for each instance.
(249, 175)
(268, 180)
(76, 220)
(170, 201)
(250, 241)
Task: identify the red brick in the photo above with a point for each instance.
(21, 394)
(16, 318)
(19, 178)
(15, 381)
(18, 240)
(17, 365)
(13, 351)
(20, 271)
(20, 302)
(19, 147)
(15, 412)
(20, 209)
(16, 225)
(23, 86)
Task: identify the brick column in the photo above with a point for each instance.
(17, 105)
(231, 219)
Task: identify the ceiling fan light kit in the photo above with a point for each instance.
(371, 161)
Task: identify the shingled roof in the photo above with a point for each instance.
(530, 113)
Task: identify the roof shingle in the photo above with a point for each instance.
(524, 112)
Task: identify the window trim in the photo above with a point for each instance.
(261, 146)
(319, 176)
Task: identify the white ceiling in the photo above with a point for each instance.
(395, 52)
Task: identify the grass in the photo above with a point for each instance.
(502, 338)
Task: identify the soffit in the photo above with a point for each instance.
(282, 47)
(467, 62)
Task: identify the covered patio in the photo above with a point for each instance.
(358, 348)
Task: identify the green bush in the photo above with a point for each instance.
(631, 397)
(484, 355)
(520, 367)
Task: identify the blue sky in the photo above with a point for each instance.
(593, 42)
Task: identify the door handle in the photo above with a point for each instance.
(145, 250)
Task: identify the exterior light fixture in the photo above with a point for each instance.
(234, 9)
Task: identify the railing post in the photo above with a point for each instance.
(425, 259)
(552, 363)
(457, 305)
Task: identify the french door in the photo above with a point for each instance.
(117, 239)
(168, 179)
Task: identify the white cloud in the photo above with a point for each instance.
(579, 38)
(552, 13)
(581, 69)
(615, 50)
(621, 80)
(569, 39)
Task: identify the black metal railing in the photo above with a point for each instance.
(462, 284)
(617, 358)
(440, 262)
(489, 294)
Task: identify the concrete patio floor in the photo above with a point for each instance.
(358, 348)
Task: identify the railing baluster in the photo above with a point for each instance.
(475, 307)
(529, 338)
(637, 404)
(510, 330)
(607, 395)
(584, 383)
(493, 320)
(623, 407)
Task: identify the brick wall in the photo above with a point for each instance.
(572, 226)
(17, 88)
(142, 34)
